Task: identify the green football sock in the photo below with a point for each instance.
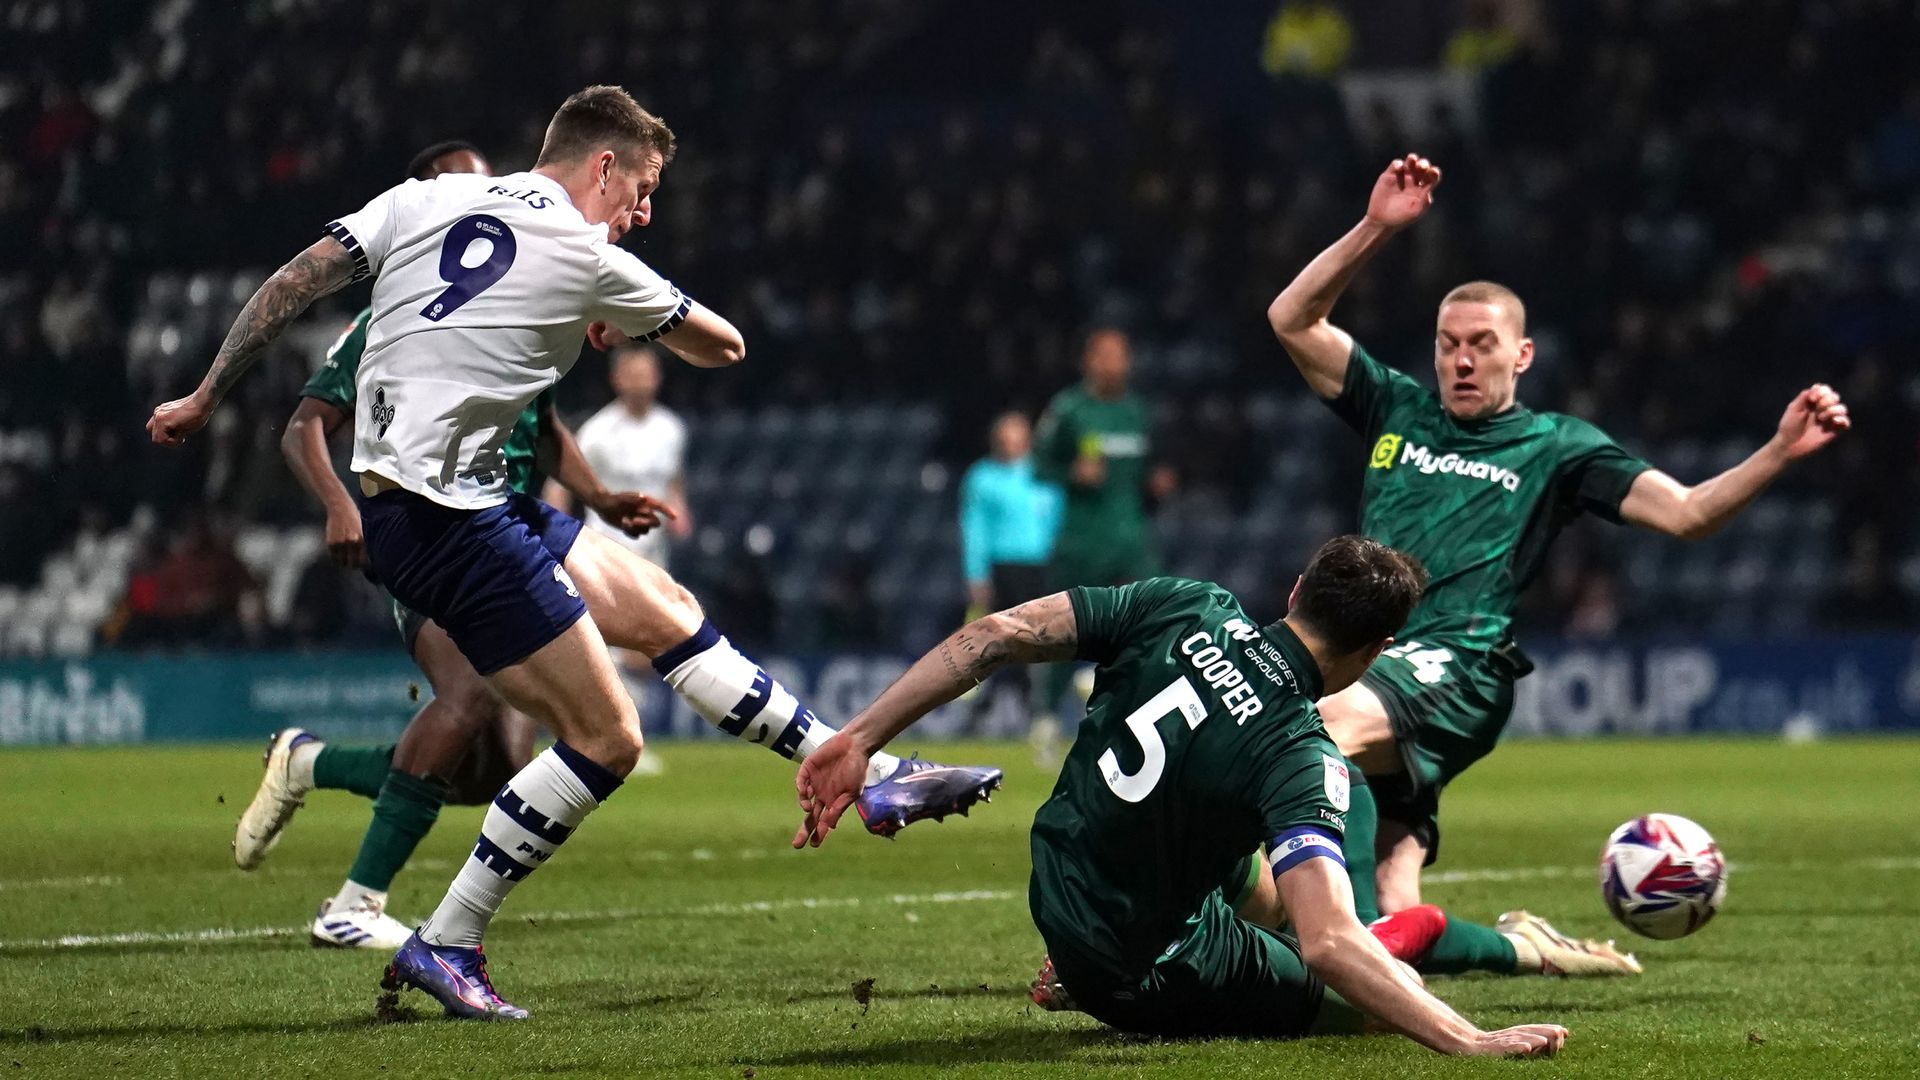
(359, 769)
(402, 816)
(1363, 824)
(1465, 947)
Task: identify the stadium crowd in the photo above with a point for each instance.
(1694, 242)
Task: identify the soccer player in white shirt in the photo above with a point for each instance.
(636, 444)
(483, 290)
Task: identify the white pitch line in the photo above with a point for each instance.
(218, 935)
(1517, 873)
(222, 935)
(114, 881)
(90, 881)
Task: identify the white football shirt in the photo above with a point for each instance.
(483, 289)
(629, 453)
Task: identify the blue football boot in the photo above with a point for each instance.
(918, 790)
(453, 976)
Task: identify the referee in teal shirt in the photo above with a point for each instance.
(1007, 520)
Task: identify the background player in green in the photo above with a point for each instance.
(1201, 740)
(1094, 440)
(465, 742)
(1476, 486)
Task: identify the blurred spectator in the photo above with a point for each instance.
(196, 591)
(1307, 38)
(636, 444)
(1007, 521)
(1867, 595)
(958, 188)
(1486, 37)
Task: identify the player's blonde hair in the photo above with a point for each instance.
(1489, 292)
(600, 117)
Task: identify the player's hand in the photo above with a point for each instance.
(605, 337)
(174, 420)
(679, 526)
(1089, 470)
(346, 543)
(1523, 1040)
(1403, 192)
(631, 512)
(1162, 482)
(828, 782)
(1815, 417)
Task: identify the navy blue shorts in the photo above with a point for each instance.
(491, 578)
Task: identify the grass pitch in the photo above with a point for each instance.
(677, 934)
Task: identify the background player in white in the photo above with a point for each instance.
(640, 445)
(636, 444)
(483, 290)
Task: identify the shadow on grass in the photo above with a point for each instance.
(883, 993)
(1009, 1043)
(1557, 1007)
(38, 1035)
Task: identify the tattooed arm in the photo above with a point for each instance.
(1035, 632)
(324, 268)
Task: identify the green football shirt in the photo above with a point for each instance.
(1114, 513)
(1477, 501)
(1201, 742)
(333, 383)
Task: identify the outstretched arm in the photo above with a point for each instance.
(1353, 963)
(702, 338)
(304, 445)
(1035, 632)
(1657, 501)
(1299, 314)
(324, 268)
(559, 453)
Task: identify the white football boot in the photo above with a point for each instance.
(1543, 949)
(365, 927)
(273, 805)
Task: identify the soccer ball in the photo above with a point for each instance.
(1662, 876)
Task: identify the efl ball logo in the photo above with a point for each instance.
(1662, 876)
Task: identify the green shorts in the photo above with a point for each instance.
(1446, 715)
(1226, 977)
(1102, 564)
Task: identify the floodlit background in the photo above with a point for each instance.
(914, 210)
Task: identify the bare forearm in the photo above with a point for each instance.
(321, 269)
(568, 465)
(1359, 969)
(1299, 314)
(304, 445)
(1035, 632)
(1661, 503)
(1309, 299)
(1720, 499)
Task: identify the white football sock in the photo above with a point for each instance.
(354, 895)
(300, 765)
(733, 694)
(529, 820)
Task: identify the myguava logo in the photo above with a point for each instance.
(1422, 459)
(1385, 451)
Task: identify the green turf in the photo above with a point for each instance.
(673, 935)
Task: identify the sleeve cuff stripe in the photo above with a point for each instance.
(361, 270)
(673, 321)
